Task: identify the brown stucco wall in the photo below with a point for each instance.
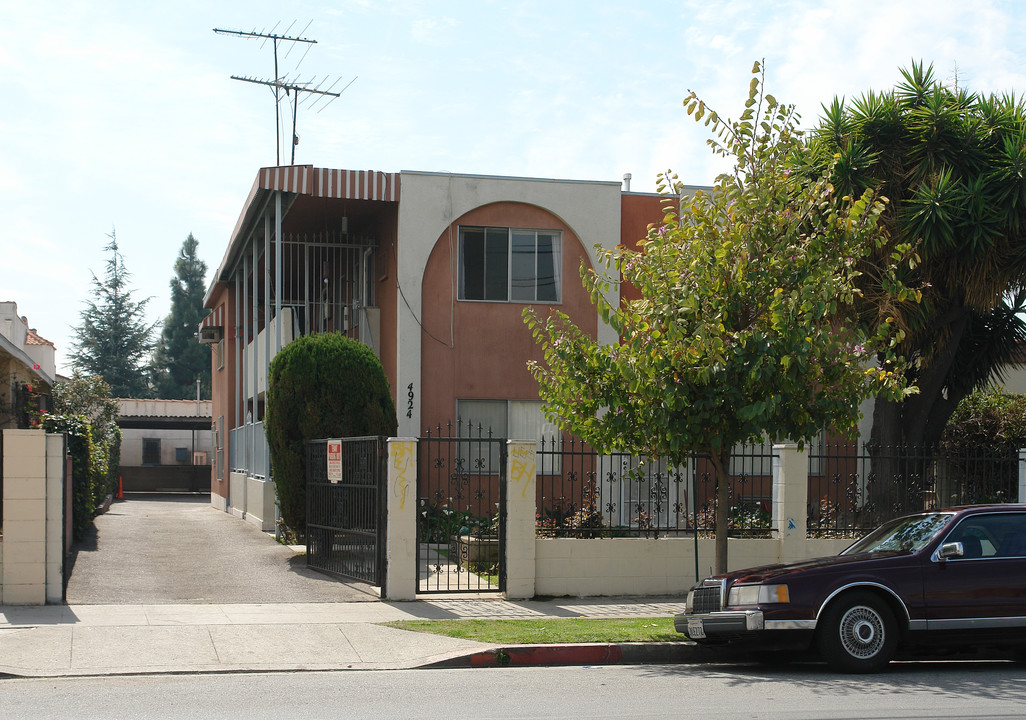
(223, 389)
(636, 212)
(480, 350)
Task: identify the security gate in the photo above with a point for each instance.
(345, 507)
(461, 527)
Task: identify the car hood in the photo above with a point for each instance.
(780, 571)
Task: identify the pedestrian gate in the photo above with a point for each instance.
(461, 496)
(345, 507)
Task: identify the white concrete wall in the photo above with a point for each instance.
(31, 572)
(432, 201)
(250, 499)
(132, 445)
(639, 566)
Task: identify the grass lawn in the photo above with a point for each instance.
(548, 631)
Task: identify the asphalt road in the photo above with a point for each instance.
(152, 549)
(728, 692)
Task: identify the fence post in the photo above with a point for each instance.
(401, 532)
(1022, 476)
(521, 478)
(790, 495)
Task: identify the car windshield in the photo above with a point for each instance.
(907, 534)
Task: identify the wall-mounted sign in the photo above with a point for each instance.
(334, 461)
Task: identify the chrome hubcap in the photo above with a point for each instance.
(862, 632)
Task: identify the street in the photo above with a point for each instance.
(906, 690)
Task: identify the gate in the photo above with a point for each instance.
(461, 522)
(345, 508)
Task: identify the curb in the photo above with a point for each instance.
(580, 654)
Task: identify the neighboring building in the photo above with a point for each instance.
(431, 270)
(166, 445)
(28, 368)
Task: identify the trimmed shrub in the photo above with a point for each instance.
(83, 471)
(320, 386)
(990, 420)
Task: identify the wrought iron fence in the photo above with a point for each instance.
(853, 488)
(583, 493)
(345, 513)
(461, 491)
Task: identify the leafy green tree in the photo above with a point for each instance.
(743, 328)
(113, 339)
(179, 360)
(89, 399)
(953, 165)
(320, 386)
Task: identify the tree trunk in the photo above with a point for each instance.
(720, 464)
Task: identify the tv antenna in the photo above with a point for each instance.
(292, 89)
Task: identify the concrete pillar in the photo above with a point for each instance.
(55, 464)
(24, 521)
(790, 495)
(401, 533)
(521, 478)
(1022, 476)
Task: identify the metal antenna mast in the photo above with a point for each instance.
(280, 83)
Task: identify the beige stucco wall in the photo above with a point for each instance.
(31, 571)
(664, 566)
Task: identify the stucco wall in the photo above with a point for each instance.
(432, 202)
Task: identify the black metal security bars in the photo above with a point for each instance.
(853, 488)
(582, 493)
(461, 496)
(345, 514)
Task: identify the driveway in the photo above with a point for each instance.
(152, 549)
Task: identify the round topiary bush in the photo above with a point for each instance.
(320, 386)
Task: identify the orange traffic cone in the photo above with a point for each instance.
(121, 494)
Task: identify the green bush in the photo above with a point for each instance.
(320, 386)
(83, 472)
(987, 420)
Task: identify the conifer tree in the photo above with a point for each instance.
(179, 358)
(113, 339)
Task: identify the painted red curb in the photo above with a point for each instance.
(596, 654)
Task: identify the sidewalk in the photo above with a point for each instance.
(83, 640)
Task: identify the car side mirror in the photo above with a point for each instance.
(951, 550)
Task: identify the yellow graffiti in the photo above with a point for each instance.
(401, 457)
(522, 467)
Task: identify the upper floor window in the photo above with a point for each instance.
(510, 264)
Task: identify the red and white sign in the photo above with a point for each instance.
(334, 461)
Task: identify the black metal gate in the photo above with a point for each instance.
(345, 508)
(461, 522)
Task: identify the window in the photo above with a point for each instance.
(510, 264)
(151, 451)
(507, 419)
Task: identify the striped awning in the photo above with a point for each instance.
(328, 183)
(211, 328)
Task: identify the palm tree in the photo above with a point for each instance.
(953, 166)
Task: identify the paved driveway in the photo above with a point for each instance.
(150, 549)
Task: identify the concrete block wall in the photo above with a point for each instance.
(32, 568)
(250, 498)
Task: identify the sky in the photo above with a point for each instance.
(121, 116)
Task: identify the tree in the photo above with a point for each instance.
(84, 410)
(113, 339)
(320, 386)
(743, 326)
(179, 359)
(953, 165)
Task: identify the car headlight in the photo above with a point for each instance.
(689, 605)
(757, 595)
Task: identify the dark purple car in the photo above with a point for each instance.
(952, 578)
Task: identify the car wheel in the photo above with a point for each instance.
(857, 633)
